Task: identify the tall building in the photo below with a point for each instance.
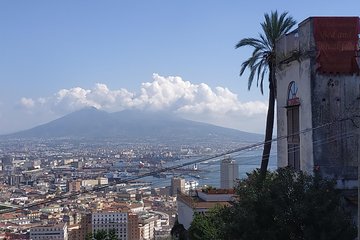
(229, 172)
(147, 224)
(15, 179)
(7, 164)
(133, 227)
(74, 186)
(125, 224)
(107, 221)
(85, 228)
(55, 232)
(177, 184)
(318, 90)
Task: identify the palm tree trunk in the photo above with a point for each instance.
(269, 125)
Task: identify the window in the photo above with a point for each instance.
(292, 98)
(293, 126)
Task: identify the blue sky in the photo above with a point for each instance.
(46, 46)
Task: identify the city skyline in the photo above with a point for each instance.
(178, 57)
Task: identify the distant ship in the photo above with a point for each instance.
(194, 175)
(118, 175)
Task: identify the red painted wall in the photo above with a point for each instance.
(336, 40)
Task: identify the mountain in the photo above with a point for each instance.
(132, 124)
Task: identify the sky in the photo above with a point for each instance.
(57, 57)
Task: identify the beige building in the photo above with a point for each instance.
(74, 186)
(147, 224)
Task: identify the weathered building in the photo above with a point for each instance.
(318, 98)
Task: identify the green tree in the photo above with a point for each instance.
(286, 205)
(89, 236)
(263, 60)
(112, 235)
(207, 227)
(289, 205)
(100, 235)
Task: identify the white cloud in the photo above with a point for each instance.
(27, 102)
(193, 101)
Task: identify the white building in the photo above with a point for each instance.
(162, 233)
(201, 203)
(229, 172)
(191, 185)
(56, 232)
(107, 221)
(147, 224)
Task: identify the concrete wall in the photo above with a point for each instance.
(336, 98)
(185, 214)
(297, 70)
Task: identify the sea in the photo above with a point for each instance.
(209, 170)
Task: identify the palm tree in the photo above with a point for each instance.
(262, 61)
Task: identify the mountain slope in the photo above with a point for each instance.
(131, 124)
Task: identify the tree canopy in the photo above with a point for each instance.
(285, 205)
(205, 227)
(102, 235)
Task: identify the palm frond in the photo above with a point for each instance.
(266, 41)
(263, 55)
(252, 42)
(244, 65)
(258, 67)
(257, 56)
(287, 22)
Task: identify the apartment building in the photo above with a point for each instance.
(55, 232)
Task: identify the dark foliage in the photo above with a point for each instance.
(285, 205)
(179, 232)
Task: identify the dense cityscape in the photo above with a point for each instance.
(96, 144)
(59, 184)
